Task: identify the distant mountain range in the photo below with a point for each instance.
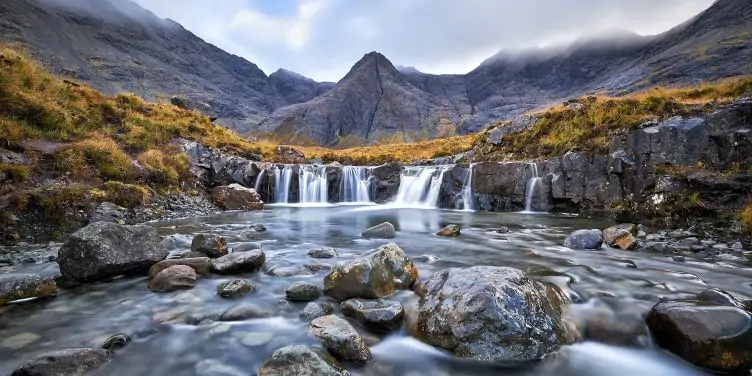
(117, 46)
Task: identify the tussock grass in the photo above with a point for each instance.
(745, 218)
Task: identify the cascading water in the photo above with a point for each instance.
(259, 180)
(282, 179)
(355, 184)
(533, 184)
(314, 188)
(467, 190)
(420, 186)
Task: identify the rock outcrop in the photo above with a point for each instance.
(237, 197)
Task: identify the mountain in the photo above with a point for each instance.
(295, 88)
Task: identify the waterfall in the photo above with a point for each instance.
(533, 184)
(259, 179)
(355, 184)
(467, 190)
(314, 188)
(420, 186)
(282, 179)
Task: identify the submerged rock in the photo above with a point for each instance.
(201, 265)
(245, 247)
(584, 239)
(235, 288)
(322, 253)
(340, 339)
(299, 360)
(384, 230)
(103, 250)
(621, 236)
(380, 273)
(237, 197)
(24, 286)
(73, 362)
(493, 314)
(176, 277)
(239, 262)
(449, 231)
(243, 311)
(314, 310)
(213, 246)
(302, 292)
(377, 315)
(117, 341)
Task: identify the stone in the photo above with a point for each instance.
(302, 292)
(299, 360)
(449, 231)
(384, 230)
(108, 212)
(176, 277)
(214, 367)
(340, 339)
(502, 230)
(117, 341)
(104, 250)
(314, 310)
(242, 312)
(492, 314)
(719, 297)
(322, 253)
(213, 246)
(235, 288)
(239, 262)
(380, 273)
(288, 271)
(584, 240)
(713, 337)
(72, 362)
(23, 286)
(621, 236)
(201, 265)
(376, 315)
(245, 247)
(237, 197)
(259, 227)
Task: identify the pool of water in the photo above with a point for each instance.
(627, 282)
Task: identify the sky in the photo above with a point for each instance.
(322, 39)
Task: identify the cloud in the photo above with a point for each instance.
(323, 38)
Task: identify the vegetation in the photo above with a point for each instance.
(745, 217)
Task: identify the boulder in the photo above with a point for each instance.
(302, 292)
(492, 314)
(584, 239)
(176, 277)
(108, 212)
(71, 362)
(449, 231)
(213, 246)
(713, 337)
(239, 262)
(237, 197)
(24, 286)
(621, 236)
(322, 253)
(245, 247)
(377, 274)
(259, 227)
(314, 310)
(201, 265)
(384, 230)
(117, 341)
(340, 339)
(243, 311)
(235, 288)
(299, 360)
(103, 250)
(376, 315)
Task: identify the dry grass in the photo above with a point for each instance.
(745, 217)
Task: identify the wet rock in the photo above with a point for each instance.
(384, 230)
(621, 236)
(502, 230)
(380, 273)
(201, 265)
(302, 292)
(340, 339)
(179, 254)
(708, 336)
(314, 310)
(237, 197)
(299, 360)
(449, 231)
(719, 297)
(598, 322)
(243, 311)
(259, 227)
(103, 250)
(118, 341)
(376, 315)
(288, 271)
(584, 239)
(492, 314)
(109, 212)
(239, 262)
(24, 286)
(679, 258)
(176, 277)
(235, 288)
(213, 246)
(245, 247)
(214, 367)
(71, 362)
(323, 253)
(317, 267)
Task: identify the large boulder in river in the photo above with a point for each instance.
(176, 277)
(24, 286)
(73, 362)
(584, 239)
(384, 230)
(213, 246)
(299, 360)
(621, 236)
(237, 197)
(377, 274)
(714, 337)
(492, 314)
(377, 315)
(103, 250)
(340, 339)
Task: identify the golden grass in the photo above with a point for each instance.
(745, 218)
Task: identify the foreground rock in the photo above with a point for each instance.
(24, 286)
(380, 273)
(322, 253)
(340, 339)
(239, 262)
(299, 360)
(714, 337)
(201, 265)
(584, 239)
(492, 314)
(71, 362)
(176, 277)
(302, 292)
(621, 236)
(237, 197)
(235, 288)
(384, 230)
(376, 315)
(449, 231)
(213, 246)
(103, 250)
(315, 310)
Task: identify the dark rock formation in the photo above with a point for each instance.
(386, 181)
(322, 252)
(295, 88)
(73, 362)
(24, 286)
(302, 292)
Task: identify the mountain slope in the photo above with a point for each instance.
(295, 88)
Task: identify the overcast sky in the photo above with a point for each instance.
(322, 39)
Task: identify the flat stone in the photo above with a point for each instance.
(384, 230)
(23, 286)
(176, 277)
(302, 292)
(340, 339)
(73, 362)
(214, 367)
(243, 311)
(376, 315)
(201, 265)
(621, 236)
(323, 253)
(239, 262)
(256, 339)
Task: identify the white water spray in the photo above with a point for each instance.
(467, 190)
(282, 179)
(355, 184)
(533, 184)
(314, 188)
(420, 186)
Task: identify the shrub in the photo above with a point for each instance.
(15, 173)
(164, 169)
(745, 217)
(127, 195)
